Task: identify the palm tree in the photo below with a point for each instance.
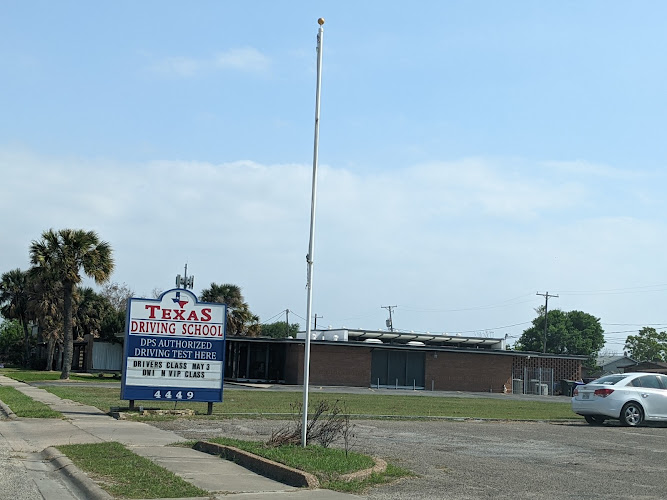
(46, 306)
(238, 313)
(90, 310)
(62, 255)
(223, 294)
(14, 297)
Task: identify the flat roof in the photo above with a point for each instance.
(433, 348)
(426, 338)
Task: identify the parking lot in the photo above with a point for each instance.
(491, 459)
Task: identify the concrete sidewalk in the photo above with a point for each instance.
(26, 456)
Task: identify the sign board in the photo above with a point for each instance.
(174, 348)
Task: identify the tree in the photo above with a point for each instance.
(11, 342)
(240, 321)
(117, 294)
(91, 308)
(62, 255)
(46, 306)
(647, 345)
(98, 316)
(279, 330)
(572, 332)
(14, 296)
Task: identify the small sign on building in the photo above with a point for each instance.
(174, 349)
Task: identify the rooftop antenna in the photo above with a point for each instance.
(185, 281)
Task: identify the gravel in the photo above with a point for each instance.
(477, 459)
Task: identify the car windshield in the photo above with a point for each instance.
(610, 379)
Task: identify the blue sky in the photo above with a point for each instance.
(471, 154)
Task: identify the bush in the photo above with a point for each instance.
(328, 423)
(11, 342)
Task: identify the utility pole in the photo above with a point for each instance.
(390, 323)
(287, 322)
(316, 316)
(546, 310)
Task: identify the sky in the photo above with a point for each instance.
(471, 154)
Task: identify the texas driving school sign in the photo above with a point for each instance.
(174, 348)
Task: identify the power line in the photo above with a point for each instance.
(504, 303)
(636, 289)
(295, 314)
(636, 324)
(266, 322)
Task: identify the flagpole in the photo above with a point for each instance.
(311, 244)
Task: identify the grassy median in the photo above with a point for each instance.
(127, 475)
(23, 406)
(28, 376)
(327, 464)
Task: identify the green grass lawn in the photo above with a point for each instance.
(28, 376)
(279, 404)
(23, 406)
(127, 475)
(327, 464)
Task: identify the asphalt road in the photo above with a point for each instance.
(491, 459)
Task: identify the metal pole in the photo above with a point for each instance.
(311, 244)
(546, 317)
(287, 322)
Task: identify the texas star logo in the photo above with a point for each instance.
(179, 301)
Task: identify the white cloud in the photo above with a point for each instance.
(584, 168)
(438, 236)
(480, 187)
(179, 66)
(245, 59)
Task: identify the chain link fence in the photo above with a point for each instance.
(537, 381)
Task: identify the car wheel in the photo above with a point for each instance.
(632, 415)
(594, 419)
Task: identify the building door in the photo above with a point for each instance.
(397, 369)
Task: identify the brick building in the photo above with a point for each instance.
(364, 358)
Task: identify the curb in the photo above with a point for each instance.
(268, 468)
(74, 475)
(7, 411)
(277, 471)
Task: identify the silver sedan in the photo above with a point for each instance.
(631, 398)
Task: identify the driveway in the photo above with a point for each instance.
(490, 459)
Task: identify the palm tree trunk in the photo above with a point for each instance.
(26, 343)
(59, 356)
(51, 347)
(67, 330)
